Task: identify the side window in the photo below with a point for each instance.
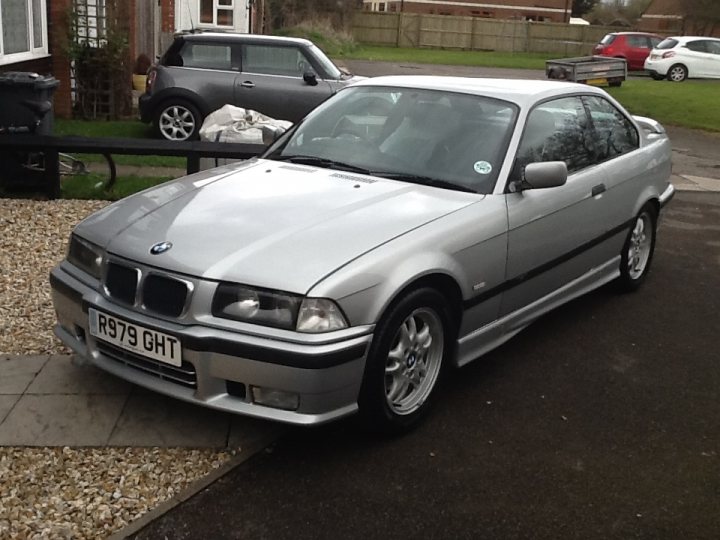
(207, 56)
(713, 47)
(654, 42)
(273, 60)
(637, 41)
(697, 46)
(555, 131)
(614, 133)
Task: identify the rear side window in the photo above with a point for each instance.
(608, 39)
(713, 47)
(614, 133)
(273, 60)
(637, 41)
(204, 55)
(668, 44)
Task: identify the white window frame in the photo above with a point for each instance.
(217, 7)
(34, 52)
(187, 16)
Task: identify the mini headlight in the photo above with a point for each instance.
(269, 308)
(86, 256)
(320, 315)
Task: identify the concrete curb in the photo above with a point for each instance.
(253, 448)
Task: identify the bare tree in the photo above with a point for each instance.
(701, 16)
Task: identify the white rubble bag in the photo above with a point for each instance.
(237, 125)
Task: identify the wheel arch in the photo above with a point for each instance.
(165, 96)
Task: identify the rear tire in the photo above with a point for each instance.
(411, 343)
(177, 120)
(677, 73)
(638, 250)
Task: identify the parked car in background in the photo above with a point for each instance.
(406, 225)
(685, 57)
(281, 77)
(634, 47)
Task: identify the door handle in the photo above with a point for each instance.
(247, 84)
(597, 190)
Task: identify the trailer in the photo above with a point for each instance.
(595, 70)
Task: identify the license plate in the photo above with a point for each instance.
(135, 338)
(596, 81)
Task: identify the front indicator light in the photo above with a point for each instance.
(320, 315)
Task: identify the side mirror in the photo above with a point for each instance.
(310, 78)
(546, 174)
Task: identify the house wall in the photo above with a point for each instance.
(548, 11)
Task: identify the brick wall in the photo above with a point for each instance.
(58, 11)
(167, 8)
(43, 66)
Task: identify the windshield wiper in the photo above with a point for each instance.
(321, 162)
(423, 180)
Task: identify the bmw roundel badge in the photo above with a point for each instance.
(160, 247)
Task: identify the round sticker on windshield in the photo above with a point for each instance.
(482, 167)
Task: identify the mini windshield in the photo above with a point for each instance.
(445, 139)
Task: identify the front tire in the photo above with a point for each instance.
(677, 73)
(638, 250)
(411, 343)
(177, 120)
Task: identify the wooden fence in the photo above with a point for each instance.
(449, 32)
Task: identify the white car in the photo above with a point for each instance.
(680, 58)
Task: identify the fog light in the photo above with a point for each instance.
(276, 399)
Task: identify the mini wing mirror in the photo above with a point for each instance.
(310, 78)
(546, 174)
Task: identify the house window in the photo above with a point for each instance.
(217, 12)
(381, 6)
(23, 30)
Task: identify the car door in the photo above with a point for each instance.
(271, 82)
(637, 51)
(698, 58)
(209, 69)
(713, 48)
(554, 233)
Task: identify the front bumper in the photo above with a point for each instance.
(220, 367)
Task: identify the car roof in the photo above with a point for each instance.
(523, 92)
(234, 36)
(635, 34)
(683, 39)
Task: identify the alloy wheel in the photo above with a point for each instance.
(177, 123)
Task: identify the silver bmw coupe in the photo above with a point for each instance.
(406, 225)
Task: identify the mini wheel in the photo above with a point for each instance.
(177, 120)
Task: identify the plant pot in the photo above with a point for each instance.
(138, 82)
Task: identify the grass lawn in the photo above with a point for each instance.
(449, 57)
(691, 104)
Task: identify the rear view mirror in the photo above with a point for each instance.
(310, 77)
(546, 174)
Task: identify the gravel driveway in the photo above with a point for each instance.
(64, 492)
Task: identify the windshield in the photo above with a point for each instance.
(330, 68)
(445, 139)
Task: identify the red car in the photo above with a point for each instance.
(634, 47)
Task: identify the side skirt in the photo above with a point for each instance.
(490, 336)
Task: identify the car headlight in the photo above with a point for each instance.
(86, 256)
(276, 309)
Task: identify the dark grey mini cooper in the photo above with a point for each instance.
(282, 77)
